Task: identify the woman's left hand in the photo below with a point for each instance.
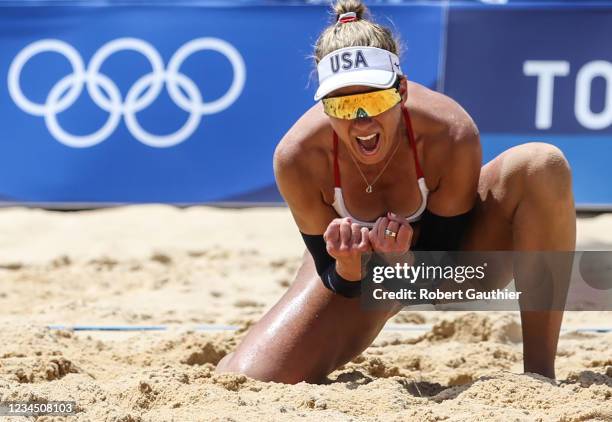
(382, 239)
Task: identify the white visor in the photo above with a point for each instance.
(368, 66)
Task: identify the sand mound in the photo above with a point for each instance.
(164, 376)
(473, 327)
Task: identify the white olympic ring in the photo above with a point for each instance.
(106, 95)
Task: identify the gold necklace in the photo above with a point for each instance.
(370, 186)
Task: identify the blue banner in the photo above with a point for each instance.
(528, 73)
(178, 104)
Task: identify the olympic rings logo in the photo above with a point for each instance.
(181, 89)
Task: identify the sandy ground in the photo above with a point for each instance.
(195, 267)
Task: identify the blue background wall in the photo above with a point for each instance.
(472, 52)
(486, 52)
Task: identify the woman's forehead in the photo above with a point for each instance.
(351, 90)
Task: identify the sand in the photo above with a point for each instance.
(202, 267)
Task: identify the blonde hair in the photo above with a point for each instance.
(358, 33)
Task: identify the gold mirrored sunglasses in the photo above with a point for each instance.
(358, 106)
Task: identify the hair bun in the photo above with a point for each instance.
(347, 6)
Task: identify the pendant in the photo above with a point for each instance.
(369, 189)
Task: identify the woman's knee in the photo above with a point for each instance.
(286, 374)
(235, 363)
(224, 364)
(547, 172)
(533, 171)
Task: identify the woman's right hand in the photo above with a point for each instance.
(401, 239)
(346, 242)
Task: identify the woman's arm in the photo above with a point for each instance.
(452, 158)
(451, 152)
(297, 169)
(335, 244)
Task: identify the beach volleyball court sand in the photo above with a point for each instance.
(199, 268)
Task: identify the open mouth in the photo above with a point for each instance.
(369, 144)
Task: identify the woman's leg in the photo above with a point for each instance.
(526, 204)
(306, 335)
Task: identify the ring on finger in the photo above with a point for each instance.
(390, 233)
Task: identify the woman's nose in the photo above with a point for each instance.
(362, 122)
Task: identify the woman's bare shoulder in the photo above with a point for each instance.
(438, 115)
(306, 145)
(449, 137)
(302, 170)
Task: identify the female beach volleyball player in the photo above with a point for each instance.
(384, 164)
